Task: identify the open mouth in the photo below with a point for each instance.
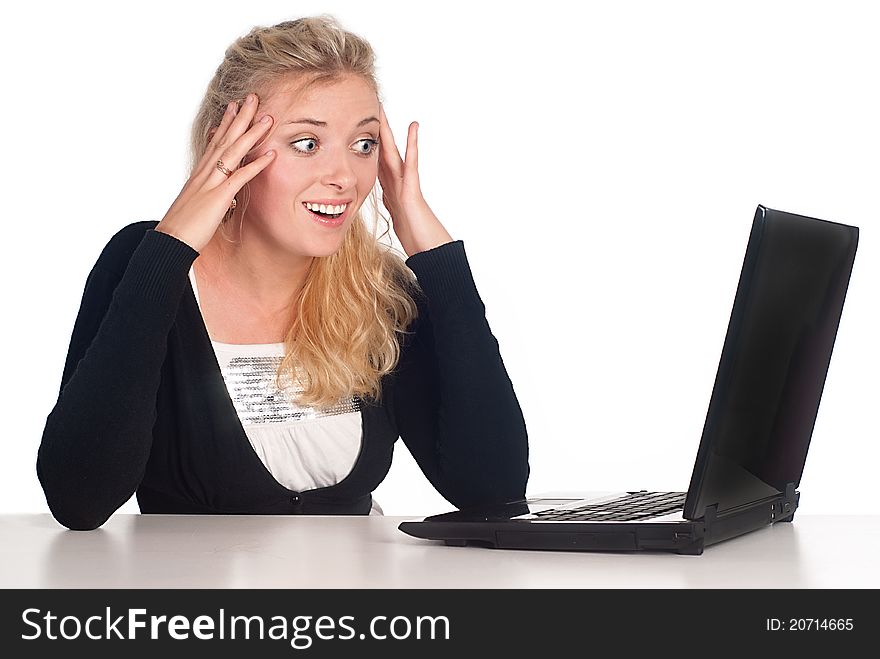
(326, 211)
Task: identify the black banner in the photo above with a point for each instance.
(427, 623)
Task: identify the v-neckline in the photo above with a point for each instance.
(217, 374)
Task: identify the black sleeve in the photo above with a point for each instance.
(97, 438)
(455, 405)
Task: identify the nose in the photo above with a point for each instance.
(337, 171)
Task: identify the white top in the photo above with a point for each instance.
(302, 447)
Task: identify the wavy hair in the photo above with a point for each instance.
(355, 303)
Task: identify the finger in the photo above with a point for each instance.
(228, 117)
(262, 136)
(207, 164)
(246, 172)
(239, 125)
(387, 178)
(411, 164)
(210, 173)
(387, 146)
(217, 133)
(235, 153)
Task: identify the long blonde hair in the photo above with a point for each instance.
(355, 302)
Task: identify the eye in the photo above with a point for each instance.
(366, 146)
(310, 145)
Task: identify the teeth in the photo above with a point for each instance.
(324, 208)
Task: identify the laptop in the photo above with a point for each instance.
(758, 426)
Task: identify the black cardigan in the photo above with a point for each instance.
(143, 406)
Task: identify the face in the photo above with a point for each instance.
(326, 144)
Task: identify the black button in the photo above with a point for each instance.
(295, 499)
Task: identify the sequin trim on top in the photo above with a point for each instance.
(251, 384)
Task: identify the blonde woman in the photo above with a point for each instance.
(259, 350)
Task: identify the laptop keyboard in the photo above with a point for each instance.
(638, 505)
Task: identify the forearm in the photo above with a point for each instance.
(479, 448)
(97, 438)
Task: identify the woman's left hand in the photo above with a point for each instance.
(414, 223)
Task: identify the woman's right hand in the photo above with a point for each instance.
(199, 208)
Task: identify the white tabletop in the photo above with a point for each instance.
(187, 551)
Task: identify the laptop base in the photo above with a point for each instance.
(498, 528)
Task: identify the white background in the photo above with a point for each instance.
(602, 164)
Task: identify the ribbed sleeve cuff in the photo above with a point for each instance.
(157, 269)
(444, 273)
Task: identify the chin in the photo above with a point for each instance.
(322, 246)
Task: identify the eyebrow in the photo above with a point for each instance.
(315, 122)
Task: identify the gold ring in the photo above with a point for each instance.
(222, 168)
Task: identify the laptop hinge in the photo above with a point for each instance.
(710, 514)
(789, 504)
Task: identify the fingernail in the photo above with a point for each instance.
(250, 98)
(266, 119)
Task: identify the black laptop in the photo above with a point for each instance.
(758, 427)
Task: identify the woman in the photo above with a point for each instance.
(258, 350)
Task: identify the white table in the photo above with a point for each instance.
(186, 551)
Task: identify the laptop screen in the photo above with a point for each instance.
(774, 361)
